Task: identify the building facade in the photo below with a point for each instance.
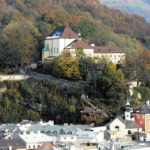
(142, 116)
(63, 38)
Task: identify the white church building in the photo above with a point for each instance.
(63, 38)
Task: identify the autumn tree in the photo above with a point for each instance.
(20, 48)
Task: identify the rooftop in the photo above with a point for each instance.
(62, 32)
(8, 127)
(45, 146)
(78, 44)
(132, 125)
(34, 137)
(143, 109)
(129, 124)
(14, 142)
(108, 49)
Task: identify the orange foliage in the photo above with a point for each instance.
(2, 1)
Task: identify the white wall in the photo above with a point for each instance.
(87, 52)
(56, 46)
(13, 77)
(33, 145)
(67, 138)
(113, 57)
(63, 43)
(117, 133)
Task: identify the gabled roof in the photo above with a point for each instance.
(62, 32)
(119, 118)
(132, 125)
(46, 146)
(143, 109)
(129, 124)
(108, 49)
(78, 44)
(14, 142)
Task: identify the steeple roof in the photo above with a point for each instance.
(127, 104)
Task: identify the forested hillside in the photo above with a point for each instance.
(24, 25)
(141, 7)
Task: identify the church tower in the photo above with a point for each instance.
(128, 110)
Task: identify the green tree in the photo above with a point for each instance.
(85, 63)
(112, 85)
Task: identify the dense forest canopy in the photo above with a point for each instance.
(24, 25)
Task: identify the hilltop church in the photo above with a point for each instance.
(63, 38)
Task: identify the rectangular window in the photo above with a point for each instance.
(57, 50)
(54, 50)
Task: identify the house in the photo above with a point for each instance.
(63, 38)
(142, 116)
(90, 115)
(34, 140)
(112, 53)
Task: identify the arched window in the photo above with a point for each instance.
(117, 128)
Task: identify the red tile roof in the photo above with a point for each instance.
(62, 32)
(45, 145)
(79, 44)
(108, 49)
(68, 33)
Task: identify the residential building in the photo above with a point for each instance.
(142, 116)
(34, 140)
(90, 115)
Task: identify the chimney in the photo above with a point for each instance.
(79, 36)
